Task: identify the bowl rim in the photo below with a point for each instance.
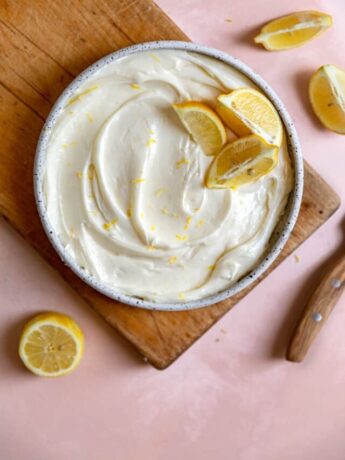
(289, 217)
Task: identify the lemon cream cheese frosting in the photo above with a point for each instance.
(124, 182)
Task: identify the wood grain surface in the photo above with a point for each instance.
(44, 45)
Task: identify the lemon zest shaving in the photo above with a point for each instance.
(156, 58)
(151, 247)
(200, 223)
(78, 97)
(181, 296)
(187, 224)
(181, 237)
(139, 180)
(172, 260)
(79, 174)
(69, 144)
(91, 171)
(165, 211)
(181, 162)
(160, 192)
(135, 86)
(150, 142)
(107, 226)
(153, 228)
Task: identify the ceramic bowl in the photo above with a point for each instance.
(282, 231)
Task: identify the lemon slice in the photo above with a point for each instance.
(327, 97)
(51, 344)
(293, 30)
(242, 162)
(247, 111)
(203, 124)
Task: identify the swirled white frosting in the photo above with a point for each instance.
(124, 183)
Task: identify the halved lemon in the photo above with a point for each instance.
(203, 124)
(327, 97)
(247, 111)
(293, 30)
(51, 344)
(242, 162)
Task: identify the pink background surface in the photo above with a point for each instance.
(232, 395)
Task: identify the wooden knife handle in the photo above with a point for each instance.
(317, 310)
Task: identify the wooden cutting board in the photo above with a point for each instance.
(44, 45)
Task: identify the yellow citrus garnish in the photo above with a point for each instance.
(172, 260)
(138, 180)
(51, 344)
(160, 192)
(80, 96)
(91, 171)
(181, 237)
(181, 162)
(242, 162)
(203, 124)
(247, 111)
(327, 97)
(187, 224)
(108, 225)
(293, 30)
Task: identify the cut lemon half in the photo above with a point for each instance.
(327, 97)
(51, 344)
(203, 124)
(293, 30)
(242, 162)
(247, 111)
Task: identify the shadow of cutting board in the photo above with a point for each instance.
(44, 45)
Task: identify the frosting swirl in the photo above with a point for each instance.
(124, 182)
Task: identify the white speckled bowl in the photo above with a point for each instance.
(283, 229)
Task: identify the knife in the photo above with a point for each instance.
(317, 310)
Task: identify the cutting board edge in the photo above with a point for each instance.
(156, 363)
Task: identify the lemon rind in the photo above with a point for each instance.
(73, 331)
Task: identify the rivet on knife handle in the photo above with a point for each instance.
(317, 310)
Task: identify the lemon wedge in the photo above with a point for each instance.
(242, 162)
(203, 124)
(327, 97)
(293, 30)
(51, 344)
(247, 111)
